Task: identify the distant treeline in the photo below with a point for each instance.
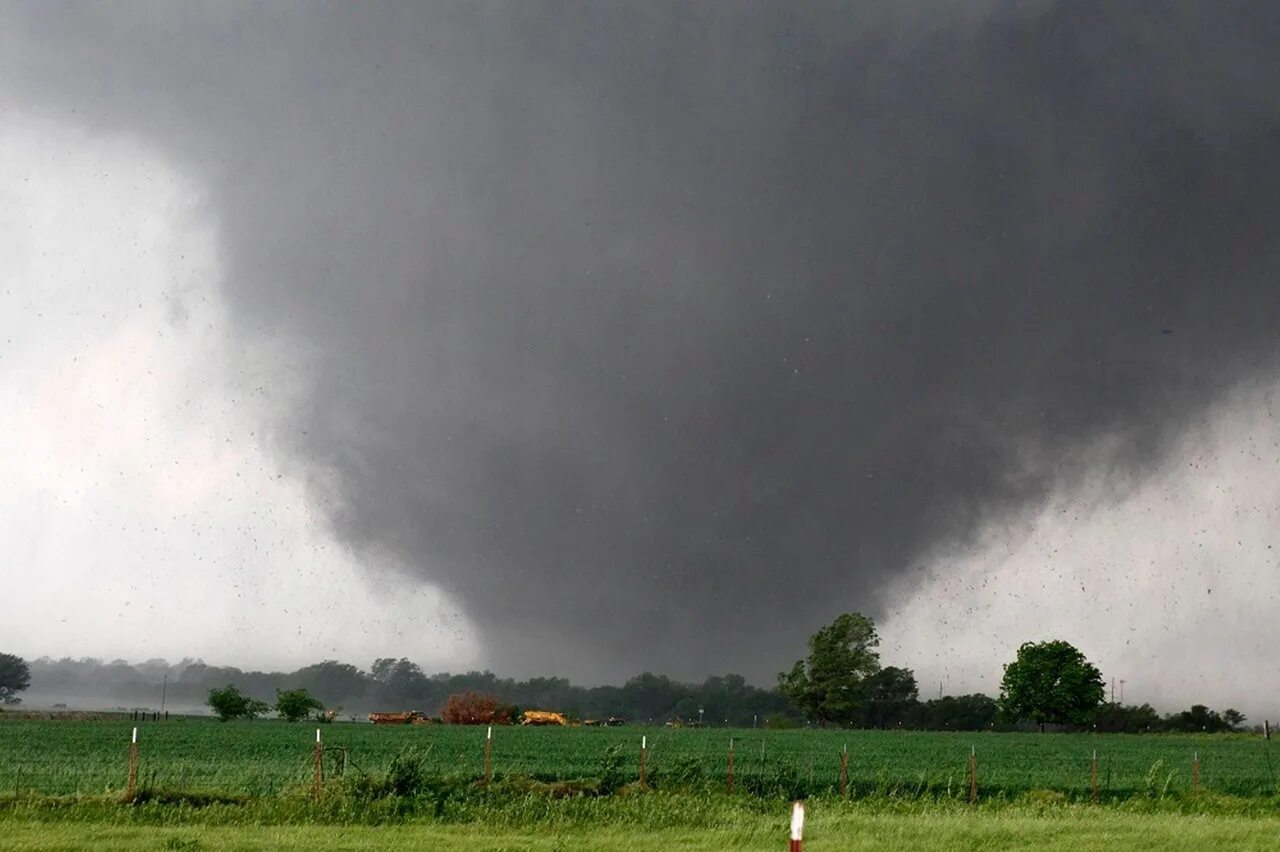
(399, 684)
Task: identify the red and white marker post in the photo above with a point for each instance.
(797, 827)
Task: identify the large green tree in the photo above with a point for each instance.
(889, 695)
(829, 685)
(336, 682)
(15, 676)
(294, 705)
(1050, 682)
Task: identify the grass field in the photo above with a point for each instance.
(654, 822)
(266, 757)
(204, 785)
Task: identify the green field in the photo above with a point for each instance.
(1072, 829)
(204, 785)
(268, 757)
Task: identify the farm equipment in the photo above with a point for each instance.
(395, 718)
(543, 717)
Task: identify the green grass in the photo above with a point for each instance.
(267, 757)
(835, 828)
(209, 786)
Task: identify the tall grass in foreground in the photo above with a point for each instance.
(408, 791)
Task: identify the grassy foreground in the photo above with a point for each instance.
(1073, 828)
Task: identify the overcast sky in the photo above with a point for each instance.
(584, 339)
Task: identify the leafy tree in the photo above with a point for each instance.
(294, 705)
(974, 712)
(1050, 682)
(828, 686)
(334, 680)
(15, 676)
(230, 703)
(1233, 718)
(652, 697)
(686, 710)
(399, 681)
(1118, 718)
(1199, 719)
(889, 696)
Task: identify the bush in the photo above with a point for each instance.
(407, 774)
(472, 709)
(230, 703)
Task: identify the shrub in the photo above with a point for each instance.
(611, 773)
(407, 773)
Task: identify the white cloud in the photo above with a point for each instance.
(141, 514)
(1171, 583)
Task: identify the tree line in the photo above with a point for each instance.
(400, 684)
(841, 682)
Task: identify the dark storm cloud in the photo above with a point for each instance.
(657, 334)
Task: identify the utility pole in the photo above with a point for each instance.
(1113, 690)
(164, 692)
(1121, 690)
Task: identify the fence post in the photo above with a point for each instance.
(133, 766)
(973, 774)
(1093, 777)
(730, 785)
(844, 772)
(488, 756)
(319, 759)
(797, 827)
(644, 753)
(1195, 771)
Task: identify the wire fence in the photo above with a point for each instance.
(267, 758)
